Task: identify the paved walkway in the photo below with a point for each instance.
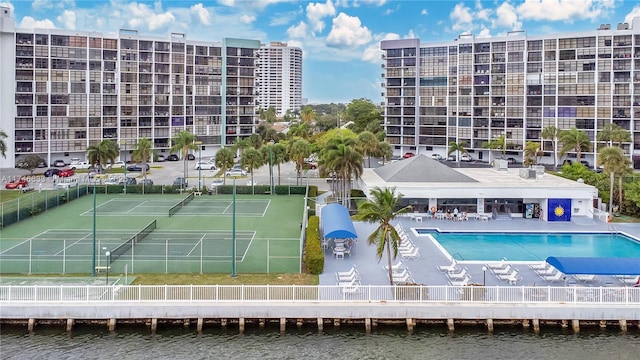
(424, 269)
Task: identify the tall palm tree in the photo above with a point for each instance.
(184, 141)
(383, 207)
(342, 159)
(224, 160)
(458, 148)
(531, 153)
(499, 142)
(143, 153)
(252, 159)
(610, 157)
(384, 151)
(3, 145)
(614, 134)
(552, 133)
(299, 149)
(368, 144)
(106, 151)
(280, 156)
(574, 140)
(308, 114)
(241, 145)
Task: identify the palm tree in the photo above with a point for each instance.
(459, 148)
(224, 160)
(342, 159)
(143, 153)
(552, 133)
(613, 133)
(299, 149)
(308, 114)
(531, 153)
(106, 151)
(576, 140)
(384, 151)
(499, 142)
(368, 144)
(252, 159)
(280, 156)
(382, 209)
(241, 144)
(184, 141)
(3, 145)
(610, 158)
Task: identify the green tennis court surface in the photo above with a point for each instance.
(141, 236)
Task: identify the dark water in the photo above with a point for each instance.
(307, 343)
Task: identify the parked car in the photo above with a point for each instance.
(138, 167)
(182, 182)
(173, 157)
(128, 181)
(216, 183)
(80, 165)
(408, 155)
(511, 161)
(585, 163)
(466, 157)
(66, 172)
(252, 183)
(235, 172)
(202, 165)
(51, 172)
(309, 165)
(59, 163)
(67, 184)
(191, 157)
(161, 158)
(116, 165)
(16, 184)
(112, 181)
(146, 182)
(436, 157)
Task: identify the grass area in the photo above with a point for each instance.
(8, 195)
(625, 219)
(226, 279)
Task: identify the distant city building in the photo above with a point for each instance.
(478, 89)
(279, 77)
(62, 91)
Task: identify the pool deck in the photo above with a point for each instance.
(424, 269)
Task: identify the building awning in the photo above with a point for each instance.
(596, 266)
(336, 223)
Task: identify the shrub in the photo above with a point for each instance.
(313, 248)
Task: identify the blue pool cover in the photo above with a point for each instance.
(595, 265)
(336, 223)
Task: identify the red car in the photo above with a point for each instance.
(66, 172)
(408, 155)
(309, 165)
(16, 184)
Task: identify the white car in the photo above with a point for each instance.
(466, 157)
(203, 165)
(116, 165)
(436, 157)
(216, 183)
(67, 184)
(235, 172)
(80, 165)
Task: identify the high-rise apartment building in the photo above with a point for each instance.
(279, 72)
(478, 89)
(62, 91)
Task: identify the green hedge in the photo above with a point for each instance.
(36, 203)
(313, 249)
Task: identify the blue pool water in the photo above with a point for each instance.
(534, 246)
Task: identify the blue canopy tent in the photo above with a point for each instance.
(595, 266)
(336, 223)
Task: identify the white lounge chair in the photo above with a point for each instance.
(553, 278)
(413, 254)
(630, 280)
(585, 278)
(504, 271)
(347, 279)
(546, 272)
(449, 268)
(540, 266)
(457, 276)
(351, 289)
(348, 273)
(498, 265)
(462, 282)
(397, 266)
(511, 278)
(407, 278)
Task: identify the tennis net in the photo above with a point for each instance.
(175, 208)
(127, 245)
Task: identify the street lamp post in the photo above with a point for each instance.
(271, 166)
(199, 143)
(108, 255)
(233, 232)
(484, 275)
(123, 142)
(93, 257)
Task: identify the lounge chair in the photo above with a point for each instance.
(449, 268)
(413, 254)
(585, 278)
(498, 265)
(407, 278)
(348, 274)
(397, 266)
(457, 276)
(540, 266)
(504, 271)
(348, 279)
(351, 289)
(349, 282)
(550, 271)
(462, 282)
(512, 278)
(553, 278)
(630, 280)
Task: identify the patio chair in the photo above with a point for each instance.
(585, 278)
(540, 266)
(351, 289)
(553, 278)
(413, 254)
(350, 283)
(397, 266)
(546, 272)
(497, 265)
(348, 274)
(457, 276)
(448, 268)
(511, 278)
(463, 282)
(504, 271)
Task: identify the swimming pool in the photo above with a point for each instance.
(533, 246)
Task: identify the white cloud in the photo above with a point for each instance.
(298, 31)
(230, 3)
(316, 12)
(372, 52)
(201, 13)
(484, 33)
(67, 19)
(31, 23)
(247, 19)
(481, 13)
(424, 12)
(461, 17)
(635, 12)
(506, 17)
(347, 31)
(141, 15)
(564, 10)
(41, 4)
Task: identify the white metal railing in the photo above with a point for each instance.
(302, 293)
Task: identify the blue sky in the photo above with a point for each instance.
(340, 38)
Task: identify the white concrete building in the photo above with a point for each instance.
(279, 76)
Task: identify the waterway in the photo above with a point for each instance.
(306, 343)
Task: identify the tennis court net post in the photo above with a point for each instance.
(175, 208)
(127, 245)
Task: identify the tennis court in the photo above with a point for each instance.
(201, 235)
